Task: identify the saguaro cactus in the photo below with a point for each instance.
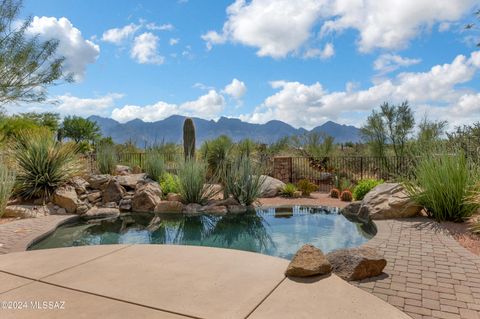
(188, 139)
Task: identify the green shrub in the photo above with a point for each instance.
(7, 181)
(106, 158)
(216, 152)
(193, 184)
(306, 187)
(288, 190)
(169, 184)
(443, 186)
(364, 186)
(243, 180)
(43, 164)
(154, 164)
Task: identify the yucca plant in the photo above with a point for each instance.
(106, 158)
(43, 164)
(193, 184)
(243, 180)
(7, 181)
(443, 185)
(154, 164)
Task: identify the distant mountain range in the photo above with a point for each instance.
(170, 130)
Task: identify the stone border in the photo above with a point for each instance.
(19, 235)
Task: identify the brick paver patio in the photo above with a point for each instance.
(428, 273)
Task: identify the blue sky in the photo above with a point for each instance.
(303, 62)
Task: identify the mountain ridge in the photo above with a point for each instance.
(170, 130)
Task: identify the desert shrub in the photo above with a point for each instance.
(193, 184)
(443, 186)
(43, 164)
(7, 181)
(342, 183)
(154, 164)
(364, 186)
(335, 193)
(346, 196)
(216, 152)
(106, 158)
(169, 184)
(306, 187)
(243, 180)
(288, 190)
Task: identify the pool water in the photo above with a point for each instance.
(271, 231)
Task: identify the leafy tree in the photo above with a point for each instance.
(48, 119)
(27, 65)
(429, 135)
(80, 129)
(314, 144)
(392, 125)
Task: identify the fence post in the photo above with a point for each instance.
(361, 167)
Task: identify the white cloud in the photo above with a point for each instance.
(327, 52)
(77, 51)
(69, 104)
(436, 90)
(118, 35)
(173, 41)
(145, 49)
(163, 27)
(207, 106)
(387, 63)
(236, 89)
(281, 27)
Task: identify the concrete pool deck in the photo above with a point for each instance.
(163, 281)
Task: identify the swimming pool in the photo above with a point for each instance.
(272, 231)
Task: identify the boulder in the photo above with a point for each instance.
(92, 197)
(103, 212)
(174, 197)
(130, 180)
(388, 200)
(308, 261)
(271, 186)
(66, 197)
(220, 210)
(169, 207)
(122, 170)
(82, 209)
(26, 211)
(236, 209)
(113, 192)
(147, 196)
(125, 204)
(356, 263)
(352, 210)
(80, 185)
(98, 181)
(192, 208)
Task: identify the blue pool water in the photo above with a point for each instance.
(271, 231)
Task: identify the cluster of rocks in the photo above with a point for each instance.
(349, 264)
(100, 196)
(385, 201)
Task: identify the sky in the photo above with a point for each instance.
(303, 62)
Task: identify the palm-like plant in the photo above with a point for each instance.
(43, 164)
(243, 180)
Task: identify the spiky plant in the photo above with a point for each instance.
(243, 180)
(7, 181)
(188, 139)
(154, 164)
(193, 184)
(288, 190)
(106, 158)
(43, 164)
(335, 193)
(346, 196)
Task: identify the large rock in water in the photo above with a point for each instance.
(101, 212)
(147, 196)
(388, 200)
(308, 261)
(66, 197)
(169, 207)
(356, 263)
(271, 186)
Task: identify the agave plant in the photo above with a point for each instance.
(43, 164)
(193, 184)
(243, 180)
(7, 181)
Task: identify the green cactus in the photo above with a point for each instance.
(189, 139)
